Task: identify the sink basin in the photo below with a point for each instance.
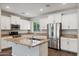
(35, 39)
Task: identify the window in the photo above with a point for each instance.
(36, 26)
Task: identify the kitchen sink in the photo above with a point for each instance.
(35, 39)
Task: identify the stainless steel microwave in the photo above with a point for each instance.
(15, 27)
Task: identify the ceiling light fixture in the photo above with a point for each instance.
(7, 7)
(63, 3)
(27, 13)
(41, 9)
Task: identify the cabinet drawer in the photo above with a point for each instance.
(64, 44)
(69, 44)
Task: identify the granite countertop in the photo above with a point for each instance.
(70, 36)
(25, 40)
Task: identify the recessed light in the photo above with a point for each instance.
(26, 13)
(7, 7)
(47, 5)
(64, 3)
(41, 9)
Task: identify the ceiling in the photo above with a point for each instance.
(33, 9)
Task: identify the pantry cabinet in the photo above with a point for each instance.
(69, 21)
(5, 23)
(69, 44)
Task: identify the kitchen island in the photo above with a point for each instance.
(28, 46)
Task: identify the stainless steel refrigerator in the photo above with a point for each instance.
(54, 33)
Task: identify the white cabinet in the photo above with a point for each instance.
(24, 24)
(15, 20)
(52, 18)
(69, 21)
(43, 23)
(57, 17)
(4, 44)
(21, 50)
(69, 44)
(5, 23)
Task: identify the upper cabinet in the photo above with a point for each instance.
(43, 23)
(5, 23)
(57, 18)
(15, 20)
(24, 24)
(52, 18)
(69, 21)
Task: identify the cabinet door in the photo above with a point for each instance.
(5, 22)
(9, 43)
(65, 21)
(73, 21)
(73, 45)
(69, 44)
(22, 25)
(43, 23)
(69, 21)
(4, 44)
(57, 17)
(64, 44)
(15, 19)
(27, 24)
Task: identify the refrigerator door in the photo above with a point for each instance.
(54, 30)
(58, 34)
(58, 31)
(54, 35)
(49, 29)
(54, 44)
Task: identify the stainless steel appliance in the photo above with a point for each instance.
(54, 31)
(15, 27)
(14, 34)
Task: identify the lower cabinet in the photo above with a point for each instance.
(69, 44)
(5, 44)
(22, 50)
